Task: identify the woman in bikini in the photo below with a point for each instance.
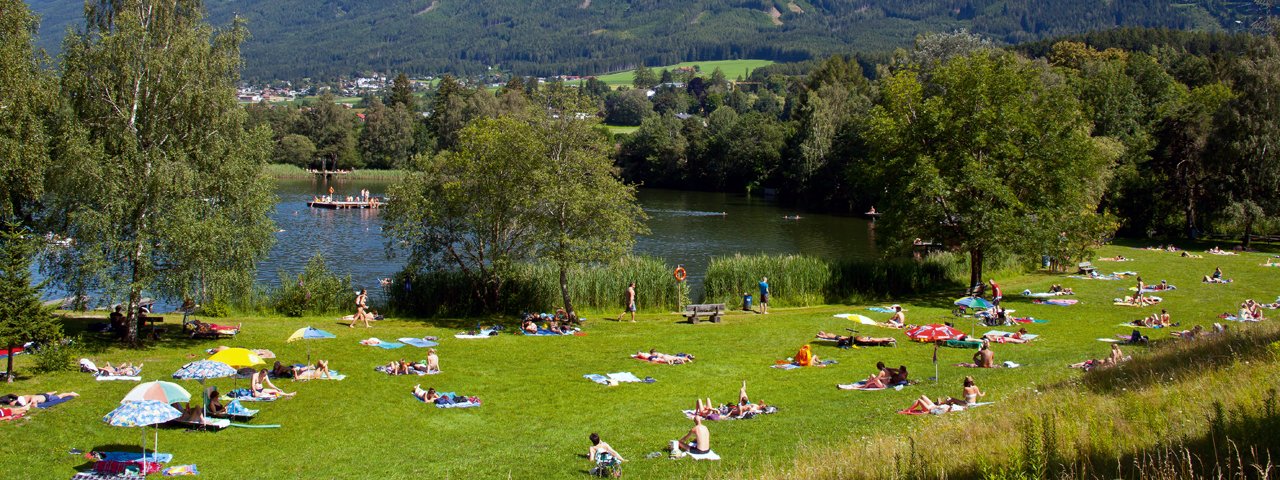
(361, 304)
(971, 394)
(429, 395)
(262, 387)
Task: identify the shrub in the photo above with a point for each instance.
(316, 291)
(58, 356)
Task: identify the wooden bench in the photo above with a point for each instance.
(1087, 268)
(713, 310)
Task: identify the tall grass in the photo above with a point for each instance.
(318, 290)
(1157, 416)
(535, 287)
(794, 280)
(797, 281)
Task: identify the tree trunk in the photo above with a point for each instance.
(1248, 233)
(975, 267)
(8, 372)
(564, 294)
(1191, 216)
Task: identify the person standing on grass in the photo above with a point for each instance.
(631, 303)
(764, 295)
(996, 294)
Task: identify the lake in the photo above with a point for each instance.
(686, 228)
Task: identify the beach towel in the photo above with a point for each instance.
(962, 343)
(215, 423)
(465, 403)
(226, 398)
(108, 378)
(1027, 320)
(1025, 336)
(483, 334)
(628, 377)
(1110, 340)
(412, 371)
(787, 366)
(859, 386)
(316, 375)
(236, 409)
(1029, 293)
(264, 353)
(109, 467)
(180, 470)
(595, 377)
(53, 403)
(710, 455)
(417, 342)
(245, 425)
(1060, 303)
(881, 309)
(1099, 277)
(135, 456)
(998, 365)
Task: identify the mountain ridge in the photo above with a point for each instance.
(329, 38)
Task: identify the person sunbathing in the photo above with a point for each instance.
(1189, 255)
(529, 326)
(433, 361)
(319, 370)
(899, 318)
(747, 410)
(429, 395)
(280, 370)
(13, 411)
(985, 358)
(805, 357)
(1192, 334)
(1016, 337)
(706, 410)
(701, 443)
(1218, 279)
(971, 393)
(879, 379)
(897, 376)
(925, 405)
(36, 399)
(742, 394)
(261, 386)
(599, 447)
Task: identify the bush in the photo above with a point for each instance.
(216, 309)
(58, 356)
(316, 291)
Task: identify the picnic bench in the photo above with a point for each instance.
(1087, 268)
(712, 310)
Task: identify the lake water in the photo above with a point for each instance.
(686, 228)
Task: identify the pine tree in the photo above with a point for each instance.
(22, 317)
(402, 93)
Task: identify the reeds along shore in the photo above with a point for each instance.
(795, 281)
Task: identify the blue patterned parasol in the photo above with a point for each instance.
(141, 414)
(204, 369)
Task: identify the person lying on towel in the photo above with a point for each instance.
(1015, 337)
(658, 357)
(1110, 361)
(845, 341)
(34, 400)
(971, 393)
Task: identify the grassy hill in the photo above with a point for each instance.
(303, 38)
(538, 410)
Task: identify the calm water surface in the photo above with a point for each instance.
(686, 228)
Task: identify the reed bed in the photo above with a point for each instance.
(535, 287)
(797, 281)
(283, 170)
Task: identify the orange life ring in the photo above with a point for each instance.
(680, 274)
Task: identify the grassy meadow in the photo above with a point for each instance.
(538, 410)
(732, 69)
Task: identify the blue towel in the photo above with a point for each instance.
(389, 345)
(53, 403)
(787, 366)
(135, 456)
(595, 377)
(881, 310)
(418, 342)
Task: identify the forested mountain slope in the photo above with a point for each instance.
(327, 38)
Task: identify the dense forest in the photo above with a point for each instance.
(1187, 116)
(294, 39)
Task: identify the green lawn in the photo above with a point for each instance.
(538, 410)
(622, 129)
(732, 69)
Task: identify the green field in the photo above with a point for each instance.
(732, 69)
(538, 410)
(621, 129)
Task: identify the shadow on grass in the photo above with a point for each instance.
(1174, 360)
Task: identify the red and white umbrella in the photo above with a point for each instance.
(933, 333)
